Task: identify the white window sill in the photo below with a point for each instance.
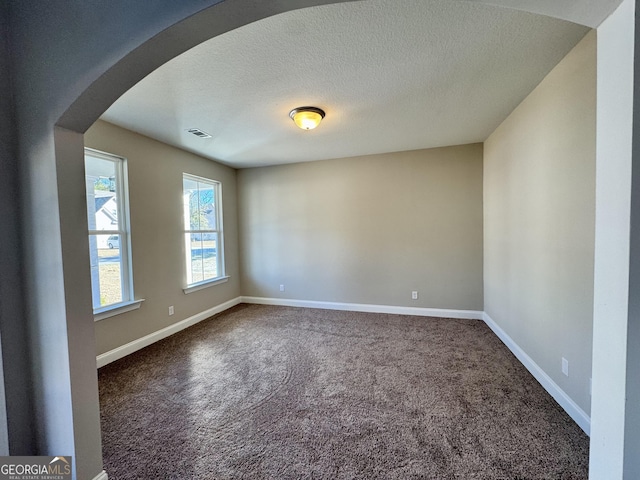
(209, 283)
(113, 310)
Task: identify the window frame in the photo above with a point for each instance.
(128, 301)
(219, 231)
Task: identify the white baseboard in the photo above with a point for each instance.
(363, 307)
(101, 476)
(124, 350)
(574, 411)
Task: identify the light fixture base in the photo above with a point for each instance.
(307, 118)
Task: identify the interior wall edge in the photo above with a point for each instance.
(101, 476)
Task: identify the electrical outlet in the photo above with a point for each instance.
(171, 312)
(414, 295)
(565, 366)
(282, 288)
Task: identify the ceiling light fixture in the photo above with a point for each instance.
(307, 118)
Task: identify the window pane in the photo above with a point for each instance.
(106, 270)
(191, 205)
(195, 256)
(207, 207)
(210, 255)
(102, 194)
(203, 237)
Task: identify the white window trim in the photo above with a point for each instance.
(116, 309)
(222, 278)
(206, 284)
(122, 187)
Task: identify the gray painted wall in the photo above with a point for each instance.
(632, 420)
(155, 205)
(539, 221)
(12, 341)
(79, 344)
(612, 267)
(366, 229)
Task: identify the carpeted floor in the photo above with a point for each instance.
(281, 393)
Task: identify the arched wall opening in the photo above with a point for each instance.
(62, 89)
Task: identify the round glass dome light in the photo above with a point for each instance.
(307, 118)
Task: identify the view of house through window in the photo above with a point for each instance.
(105, 178)
(203, 229)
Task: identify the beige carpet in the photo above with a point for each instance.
(263, 392)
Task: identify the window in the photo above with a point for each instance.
(202, 231)
(109, 244)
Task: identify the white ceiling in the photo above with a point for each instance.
(392, 75)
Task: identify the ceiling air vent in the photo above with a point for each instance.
(199, 133)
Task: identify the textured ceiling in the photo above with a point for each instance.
(391, 75)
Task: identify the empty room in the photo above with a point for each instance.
(361, 239)
(451, 176)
